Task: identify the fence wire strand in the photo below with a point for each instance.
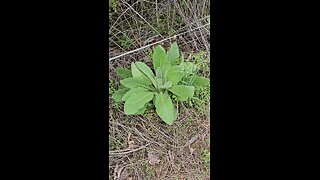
(146, 46)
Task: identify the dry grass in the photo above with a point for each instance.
(177, 149)
(144, 147)
(138, 23)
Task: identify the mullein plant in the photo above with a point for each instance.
(172, 76)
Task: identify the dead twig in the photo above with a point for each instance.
(126, 151)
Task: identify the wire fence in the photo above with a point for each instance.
(166, 39)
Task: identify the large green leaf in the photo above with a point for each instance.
(141, 111)
(132, 82)
(175, 113)
(174, 74)
(199, 82)
(132, 91)
(137, 101)
(146, 71)
(173, 54)
(123, 72)
(183, 92)
(145, 68)
(159, 57)
(117, 96)
(136, 73)
(165, 108)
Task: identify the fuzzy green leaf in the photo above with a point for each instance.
(141, 111)
(188, 68)
(183, 92)
(173, 54)
(123, 72)
(167, 85)
(132, 91)
(175, 113)
(145, 68)
(159, 73)
(165, 108)
(159, 82)
(136, 73)
(189, 80)
(174, 74)
(137, 101)
(165, 69)
(159, 57)
(199, 82)
(146, 71)
(117, 96)
(132, 82)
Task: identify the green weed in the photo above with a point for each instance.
(205, 156)
(112, 89)
(149, 171)
(113, 4)
(125, 42)
(201, 98)
(116, 143)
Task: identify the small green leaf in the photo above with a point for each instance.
(183, 92)
(117, 96)
(188, 68)
(189, 80)
(167, 85)
(165, 108)
(161, 77)
(137, 101)
(174, 74)
(165, 69)
(159, 73)
(173, 54)
(159, 82)
(123, 72)
(159, 57)
(182, 57)
(132, 91)
(199, 82)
